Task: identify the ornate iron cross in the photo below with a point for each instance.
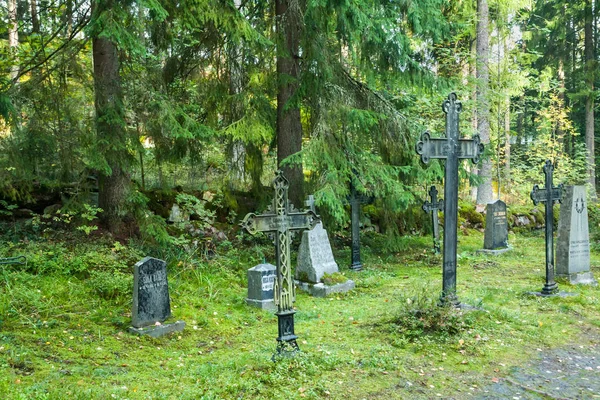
(450, 148)
(433, 207)
(548, 195)
(279, 222)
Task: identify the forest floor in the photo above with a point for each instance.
(64, 321)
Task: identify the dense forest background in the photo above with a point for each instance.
(112, 110)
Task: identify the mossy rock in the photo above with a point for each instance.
(333, 279)
(468, 212)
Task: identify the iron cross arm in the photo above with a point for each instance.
(279, 223)
(541, 195)
(428, 206)
(439, 148)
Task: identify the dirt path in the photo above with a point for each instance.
(571, 372)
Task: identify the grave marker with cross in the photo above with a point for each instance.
(279, 222)
(356, 200)
(548, 195)
(433, 207)
(450, 148)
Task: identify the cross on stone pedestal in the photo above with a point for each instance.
(433, 207)
(279, 222)
(548, 195)
(310, 203)
(450, 148)
(355, 201)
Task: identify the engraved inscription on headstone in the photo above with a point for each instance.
(573, 242)
(261, 281)
(151, 302)
(496, 226)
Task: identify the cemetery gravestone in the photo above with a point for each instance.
(315, 259)
(495, 240)
(356, 200)
(548, 195)
(573, 242)
(151, 302)
(433, 207)
(451, 148)
(261, 282)
(280, 220)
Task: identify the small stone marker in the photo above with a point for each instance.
(548, 195)
(261, 281)
(451, 148)
(495, 240)
(433, 207)
(177, 215)
(151, 303)
(315, 259)
(573, 242)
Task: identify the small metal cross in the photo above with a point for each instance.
(356, 200)
(450, 148)
(433, 207)
(548, 195)
(280, 220)
(310, 203)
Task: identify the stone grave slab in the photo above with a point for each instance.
(495, 240)
(315, 258)
(151, 302)
(573, 242)
(261, 282)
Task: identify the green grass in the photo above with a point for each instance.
(63, 328)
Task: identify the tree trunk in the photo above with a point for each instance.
(289, 126)
(484, 190)
(589, 102)
(114, 183)
(13, 38)
(35, 22)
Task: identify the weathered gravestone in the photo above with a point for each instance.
(261, 282)
(280, 220)
(548, 195)
(433, 207)
(315, 259)
(151, 302)
(450, 148)
(573, 242)
(495, 240)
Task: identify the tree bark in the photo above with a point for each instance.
(35, 22)
(114, 184)
(589, 102)
(13, 38)
(289, 125)
(484, 190)
(473, 73)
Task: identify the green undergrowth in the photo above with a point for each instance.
(64, 319)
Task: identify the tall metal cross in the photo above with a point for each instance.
(548, 195)
(433, 207)
(356, 200)
(450, 148)
(279, 222)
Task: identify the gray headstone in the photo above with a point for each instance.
(151, 302)
(496, 226)
(315, 257)
(573, 242)
(261, 282)
(177, 215)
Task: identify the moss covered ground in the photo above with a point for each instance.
(64, 319)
